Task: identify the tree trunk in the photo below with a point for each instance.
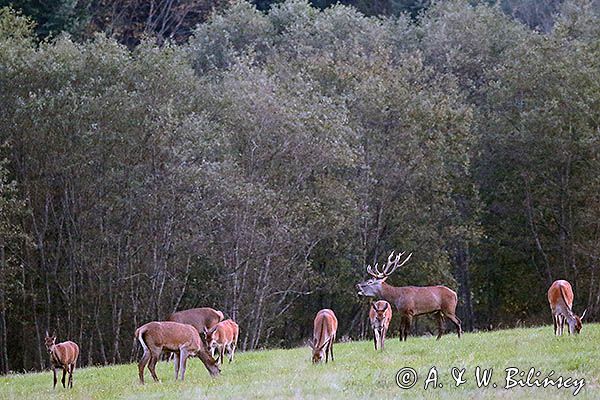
(4, 367)
(462, 261)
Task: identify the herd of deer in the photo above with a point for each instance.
(203, 332)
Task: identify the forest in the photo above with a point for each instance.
(256, 157)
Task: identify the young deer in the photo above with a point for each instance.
(380, 316)
(324, 331)
(411, 300)
(199, 318)
(62, 355)
(221, 337)
(181, 339)
(560, 297)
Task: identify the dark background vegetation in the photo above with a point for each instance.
(161, 155)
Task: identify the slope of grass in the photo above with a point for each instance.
(358, 372)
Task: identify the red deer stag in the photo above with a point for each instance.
(560, 297)
(181, 339)
(62, 355)
(199, 318)
(221, 337)
(325, 328)
(380, 316)
(411, 300)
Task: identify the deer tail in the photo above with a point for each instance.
(139, 334)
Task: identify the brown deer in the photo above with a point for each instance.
(221, 337)
(380, 316)
(411, 300)
(325, 328)
(199, 318)
(181, 339)
(62, 355)
(560, 297)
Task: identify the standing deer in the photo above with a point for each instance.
(411, 300)
(62, 355)
(181, 339)
(560, 297)
(221, 337)
(325, 328)
(199, 318)
(380, 316)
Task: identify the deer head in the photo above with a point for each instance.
(208, 337)
(372, 287)
(379, 312)
(574, 322)
(318, 352)
(49, 341)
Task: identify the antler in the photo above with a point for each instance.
(390, 266)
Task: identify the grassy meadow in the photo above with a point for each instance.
(358, 372)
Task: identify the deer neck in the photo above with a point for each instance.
(387, 292)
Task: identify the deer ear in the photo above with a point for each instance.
(583, 315)
(311, 344)
(385, 306)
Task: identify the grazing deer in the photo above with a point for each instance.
(325, 328)
(221, 337)
(62, 355)
(560, 297)
(199, 318)
(411, 300)
(181, 339)
(380, 316)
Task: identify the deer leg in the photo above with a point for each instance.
(331, 349)
(152, 365)
(233, 346)
(176, 364)
(142, 364)
(55, 380)
(230, 351)
(71, 369)
(440, 318)
(409, 318)
(376, 337)
(560, 323)
(64, 376)
(402, 328)
(221, 354)
(183, 355)
(382, 337)
(456, 322)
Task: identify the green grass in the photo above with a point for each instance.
(357, 373)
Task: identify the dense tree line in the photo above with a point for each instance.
(130, 21)
(259, 166)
